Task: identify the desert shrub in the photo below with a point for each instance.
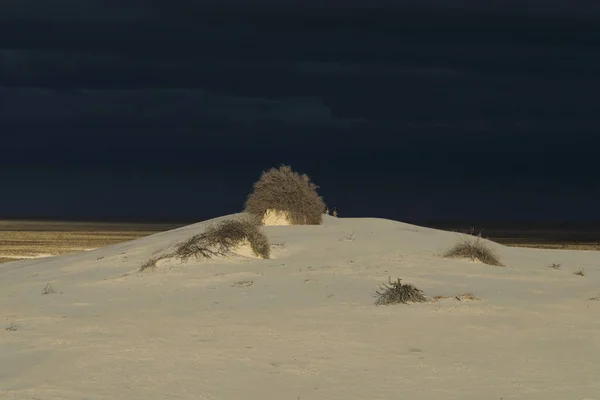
(219, 239)
(150, 264)
(48, 289)
(285, 190)
(397, 292)
(475, 249)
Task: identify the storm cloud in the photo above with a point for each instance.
(446, 99)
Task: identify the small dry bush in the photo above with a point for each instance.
(474, 249)
(150, 264)
(48, 289)
(219, 239)
(397, 292)
(285, 190)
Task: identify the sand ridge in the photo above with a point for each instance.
(302, 325)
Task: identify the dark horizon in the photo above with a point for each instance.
(465, 226)
(454, 111)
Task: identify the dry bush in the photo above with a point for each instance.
(475, 249)
(219, 239)
(150, 264)
(285, 190)
(397, 292)
(48, 289)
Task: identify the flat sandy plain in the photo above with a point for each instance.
(302, 325)
(24, 239)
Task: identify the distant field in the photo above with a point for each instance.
(32, 239)
(543, 237)
(556, 246)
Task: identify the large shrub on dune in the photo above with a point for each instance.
(286, 191)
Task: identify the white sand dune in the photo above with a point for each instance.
(302, 325)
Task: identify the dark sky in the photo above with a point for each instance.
(414, 110)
